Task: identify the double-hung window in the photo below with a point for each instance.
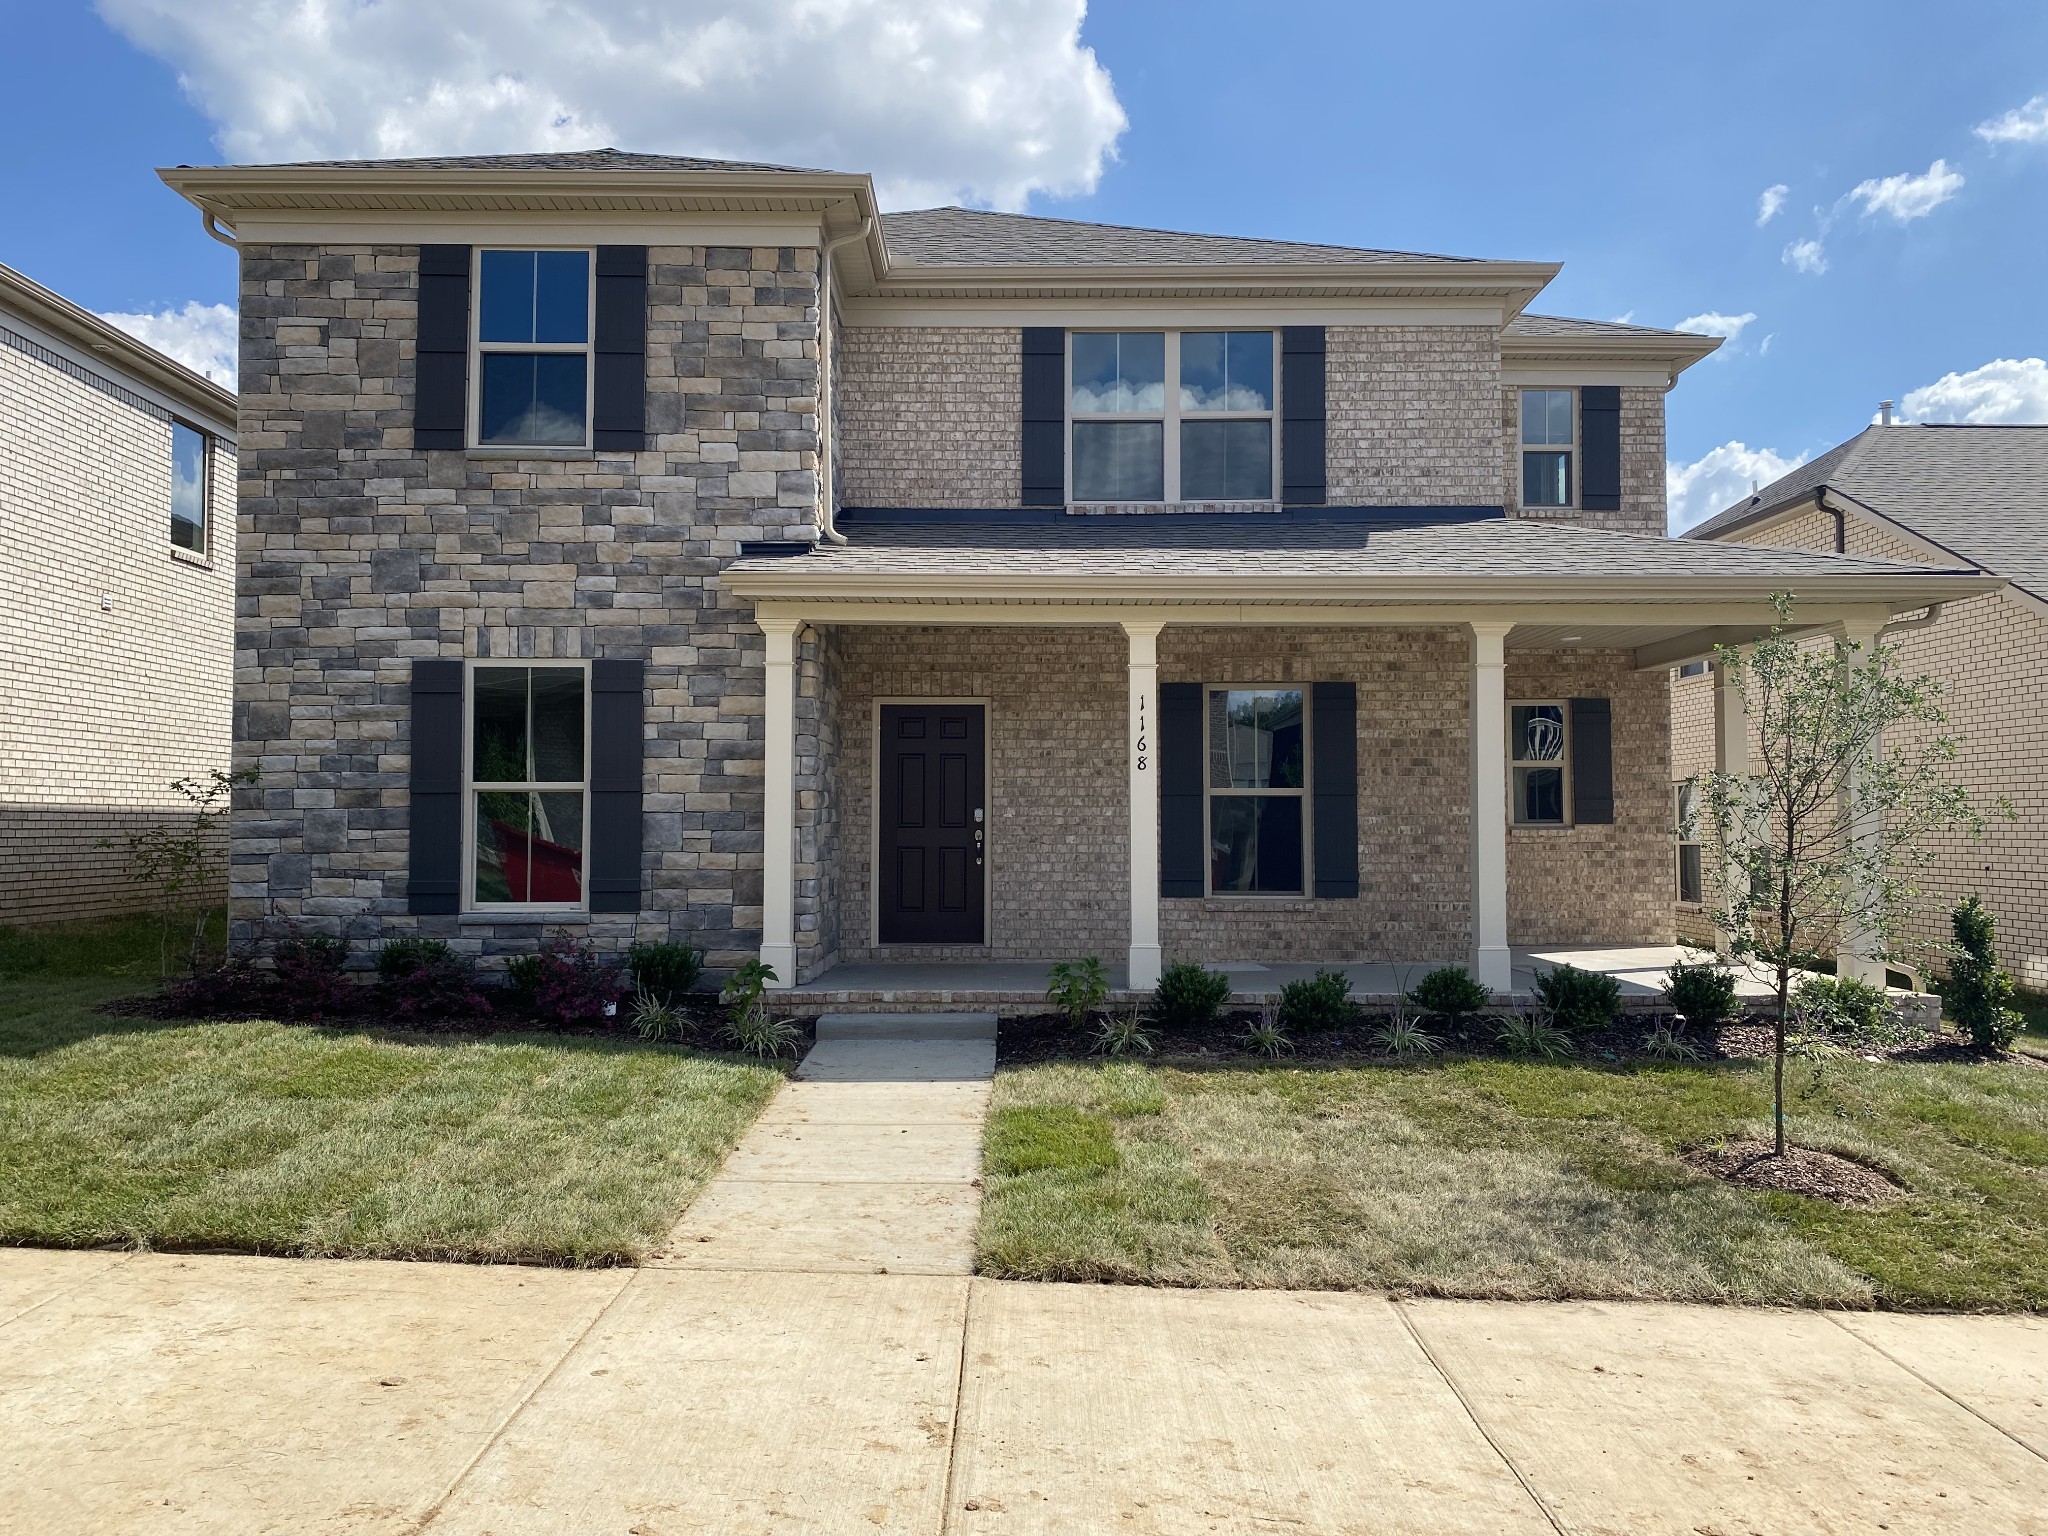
(533, 368)
(529, 805)
(1547, 444)
(1536, 763)
(1172, 416)
(1686, 824)
(190, 467)
(1257, 790)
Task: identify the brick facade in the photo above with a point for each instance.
(928, 416)
(1642, 466)
(1410, 415)
(114, 650)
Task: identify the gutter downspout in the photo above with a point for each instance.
(827, 488)
(206, 222)
(1841, 517)
(1899, 626)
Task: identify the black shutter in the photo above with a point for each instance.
(615, 777)
(1045, 417)
(1183, 843)
(440, 408)
(1333, 737)
(1592, 762)
(619, 419)
(1303, 479)
(433, 867)
(1600, 448)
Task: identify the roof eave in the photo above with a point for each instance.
(1513, 284)
(1679, 349)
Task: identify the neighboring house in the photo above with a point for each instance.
(1060, 590)
(1949, 495)
(117, 572)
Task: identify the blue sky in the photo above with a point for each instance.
(1631, 142)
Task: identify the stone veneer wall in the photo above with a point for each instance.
(100, 707)
(929, 416)
(1410, 412)
(359, 554)
(1642, 465)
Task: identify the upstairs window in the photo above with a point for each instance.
(1547, 444)
(533, 326)
(190, 463)
(1258, 791)
(1536, 763)
(1172, 415)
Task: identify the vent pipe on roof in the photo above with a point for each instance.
(1884, 413)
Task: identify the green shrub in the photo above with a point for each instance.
(1125, 1034)
(1268, 1037)
(1077, 988)
(1979, 994)
(1449, 993)
(1703, 994)
(522, 977)
(403, 956)
(1842, 1006)
(1189, 997)
(1532, 1035)
(654, 1017)
(1578, 1001)
(1322, 1001)
(1405, 1040)
(1663, 1043)
(667, 970)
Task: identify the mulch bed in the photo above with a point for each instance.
(1801, 1171)
(1949, 1046)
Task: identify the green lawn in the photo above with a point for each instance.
(1499, 1178)
(271, 1138)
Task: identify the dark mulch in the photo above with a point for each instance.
(1801, 1171)
(1948, 1047)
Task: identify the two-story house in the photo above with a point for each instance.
(660, 546)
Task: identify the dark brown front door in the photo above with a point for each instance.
(933, 824)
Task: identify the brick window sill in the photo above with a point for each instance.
(192, 558)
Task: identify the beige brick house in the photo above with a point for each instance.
(117, 573)
(646, 546)
(1946, 495)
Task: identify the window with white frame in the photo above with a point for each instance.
(529, 805)
(1686, 825)
(1547, 442)
(190, 474)
(1695, 668)
(1257, 790)
(532, 365)
(1536, 763)
(1172, 415)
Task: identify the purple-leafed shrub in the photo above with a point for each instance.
(308, 982)
(443, 987)
(572, 986)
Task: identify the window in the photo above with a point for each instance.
(1547, 448)
(1686, 823)
(1536, 761)
(1258, 790)
(1207, 438)
(533, 324)
(527, 785)
(189, 487)
(1695, 668)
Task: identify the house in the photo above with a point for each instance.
(117, 562)
(1947, 495)
(651, 546)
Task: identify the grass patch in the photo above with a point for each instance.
(267, 1138)
(1494, 1178)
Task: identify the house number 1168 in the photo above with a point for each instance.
(1141, 748)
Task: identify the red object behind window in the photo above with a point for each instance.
(545, 871)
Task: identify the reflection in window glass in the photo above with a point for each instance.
(1226, 460)
(1546, 445)
(1226, 371)
(526, 761)
(532, 397)
(534, 296)
(529, 846)
(1256, 739)
(1119, 372)
(1258, 759)
(1119, 460)
(1536, 740)
(1687, 826)
(1547, 418)
(188, 487)
(1255, 844)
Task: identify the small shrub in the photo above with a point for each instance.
(236, 986)
(1077, 988)
(1125, 1034)
(1268, 1037)
(1322, 1001)
(402, 956)
(522, 977)
(654, 1017)
(1703, 995)
(307, 978)
(1535, 1037)
(748, 1023)
(1189, 997)
(1845, 1011)
(1979, 993)
(1449, 993)
(1578, 1001)
(572, 985)
(1663, 1043)
(441, 987)
(1404, 1039)
(667, 970)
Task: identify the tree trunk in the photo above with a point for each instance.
(1778, 1057)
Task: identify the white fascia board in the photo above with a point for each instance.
(1530, 375)
(201, 409)
(542, 226)
(1169, 311)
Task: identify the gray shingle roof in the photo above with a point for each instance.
(973, 237)
(566, 160)
(1979, 492)
(1562, 326)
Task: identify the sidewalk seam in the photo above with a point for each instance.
(959, 1407)
(120, 1262)
(1936, 1386)
(1542, 1504)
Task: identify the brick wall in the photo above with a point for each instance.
(930, 416)
(1411, 415)
(1642, 465)
(100, 707)
(1692, 753)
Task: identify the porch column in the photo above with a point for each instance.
(1144, 757)
(778, 810)
(1858, 951)
(1491, 966)
(1731, 757)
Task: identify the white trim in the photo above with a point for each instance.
(1570, 450)
(479, 348)
(1563, 764)
(1306, 793)
(1168, 312)
(472, 665)
(1492, 966)
(1540, 375)
(988, 863)
(1144, 958)
(778, 800)
(512, 230)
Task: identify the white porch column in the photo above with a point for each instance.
(1857, 952)
(778, 810)
(1143, 746)
(1491, 966)
(1731, 757)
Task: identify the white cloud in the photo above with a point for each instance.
(1806, 256)
(201, 336)
(1713, 323)
(1906, 197)
(2006, 389)
(1769, 201)
(2026, 124)
(1718, 479)
(986, 101)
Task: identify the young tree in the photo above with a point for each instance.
(1822, 843)
(188, 863)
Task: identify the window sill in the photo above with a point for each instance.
(192, 558)
(513, 451)
(1539, 826)
(523, 917)
(1253, 902)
